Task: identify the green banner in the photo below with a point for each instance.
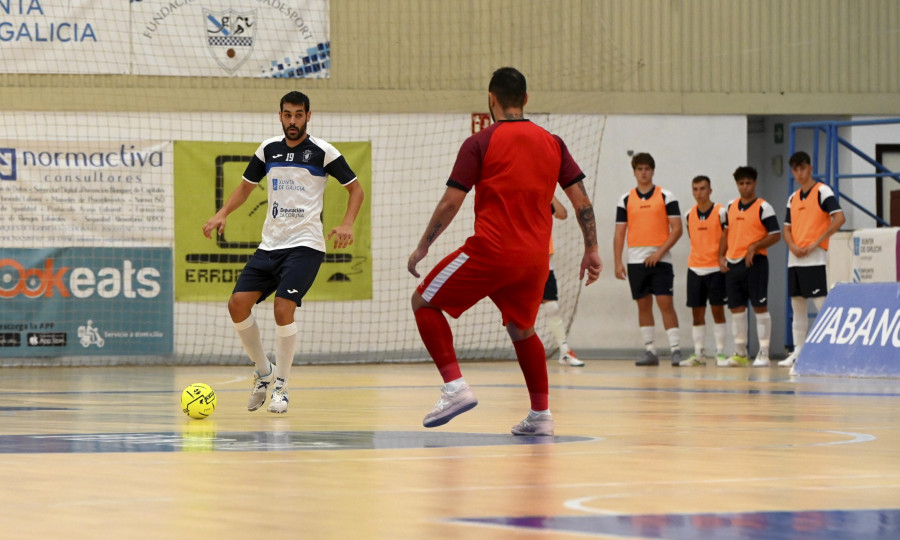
(206, 269)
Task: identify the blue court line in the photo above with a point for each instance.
(803, 393)
(779, 525)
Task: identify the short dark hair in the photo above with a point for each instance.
(701, 178)
(799, 158)
(745, 172)
(643, 158)
(508, 86)
(295, 98)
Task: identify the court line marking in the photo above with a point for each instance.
(798, 393)
(579, 503)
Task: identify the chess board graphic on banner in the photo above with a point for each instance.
(244, 38)
(64, 36)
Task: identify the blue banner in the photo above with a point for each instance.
(856, 334)
(86, 301)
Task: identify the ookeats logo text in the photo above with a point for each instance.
(80, 282)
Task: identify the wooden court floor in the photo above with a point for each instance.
(713, 453)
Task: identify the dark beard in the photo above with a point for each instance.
(301, 133)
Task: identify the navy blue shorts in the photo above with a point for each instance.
(656, 280)
(290, 272)
(706, 288)
(807, 281)
(550, 291)
(745, 284)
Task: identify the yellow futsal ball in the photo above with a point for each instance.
(198, 400)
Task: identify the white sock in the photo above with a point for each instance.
(454, 386)
(764, 331)
(800, 323)
(647, 333)
(674, 339)
(534, 414)
(248, 332)
(720, 330)
(285, 343)
(699, 334)
(555, 324)
(818, 301)
(739, 332)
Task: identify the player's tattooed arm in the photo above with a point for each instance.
(444, 213)
(588, 225)
(435, 231)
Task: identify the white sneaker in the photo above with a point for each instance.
(789, 361)
(762, 360)
(735, 360)
(693, 360)
(260, 388)
(540, 425)
(279, 401)
(449, 406)
(569, 359)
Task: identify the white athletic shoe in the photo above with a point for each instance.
(762, 360)
(260, 389)
(569, 359)
(789, 361)
(279, 401)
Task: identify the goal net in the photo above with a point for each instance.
(103, 261)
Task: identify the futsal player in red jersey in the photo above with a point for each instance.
(514, 167)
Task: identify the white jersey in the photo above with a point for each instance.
(296, 189)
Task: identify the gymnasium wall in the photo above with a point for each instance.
(608, 56)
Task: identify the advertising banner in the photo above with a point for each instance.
(206, 269)
(244, 38)
(875, 255)
(84, 301)
(85, 193)
(64, 36)
(856, 334)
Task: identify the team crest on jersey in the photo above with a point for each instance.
(306, 155)
(230, 36)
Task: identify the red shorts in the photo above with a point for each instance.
(461, 280)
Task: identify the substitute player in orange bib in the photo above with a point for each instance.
(649, 221)
(705, 281)
(813, 215)
(514, 167)
(752, 228)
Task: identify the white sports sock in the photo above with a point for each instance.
(818, 301)
(739, 327)
(555, 324)
(248, 332)
(647, 333)
(698, 332)
(720, 330)
(285, 343)
(800, 322)
(454, 386)
(764, 331)
(674, 338)
(534, 414)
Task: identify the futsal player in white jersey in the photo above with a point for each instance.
(293, 244)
